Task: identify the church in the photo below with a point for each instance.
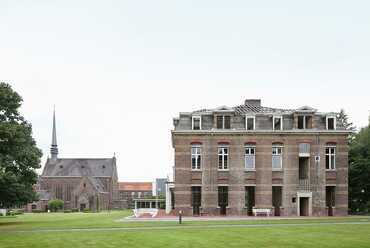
(82, 183)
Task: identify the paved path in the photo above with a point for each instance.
(151, 228)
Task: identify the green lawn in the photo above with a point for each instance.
(34, 230)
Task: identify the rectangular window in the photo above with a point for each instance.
(220, 122)
(277, 157)
(227, 120)
(278, 122)
(250, 122)
(304, 122)
(196, 123)
(308, 122)
(330, 157)
(223, 122)
(301, 122)
(223, 156)
(196, 157)
(250, 157)
(330, 123)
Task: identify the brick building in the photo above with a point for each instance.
(249, 158)
(134, 190)
(82, 183)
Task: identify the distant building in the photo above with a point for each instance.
(134, 190)
(82, 183)
(251, 159)
(160, 186)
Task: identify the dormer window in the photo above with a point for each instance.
(277, 123)
(250, 123)
(223, 121)
(304, 122)
(196, 123)
(330, 123)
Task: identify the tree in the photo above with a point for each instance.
(343, 119)
(359, 172)
(19, 155)
(55, 205)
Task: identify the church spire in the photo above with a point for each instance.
(54, 146)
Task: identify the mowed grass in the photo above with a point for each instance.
(56, 230)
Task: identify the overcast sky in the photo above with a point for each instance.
(119, 71)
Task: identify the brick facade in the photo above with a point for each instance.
(309, 193)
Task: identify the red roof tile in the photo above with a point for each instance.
(135, 186)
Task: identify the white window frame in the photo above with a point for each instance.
(281, 122)
(327, 121)
(248, 153)
(223, 154)
(197, 154)
(200, 121)
(332, 167)
(246, 122)
(276, 149)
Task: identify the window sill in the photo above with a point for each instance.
(249, 170)
(330, 169)
(196, 169)
(223, 169)
(277, 169)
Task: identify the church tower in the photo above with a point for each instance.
(54, 146)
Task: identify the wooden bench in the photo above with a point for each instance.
(264, 211)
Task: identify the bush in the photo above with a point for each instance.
(1, 214)
(18, 211)
(74, 210)
(67, 211)
(37, 211)
(55, 205)
(87, 210)
(10, 213)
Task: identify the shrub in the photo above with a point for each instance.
(67, 211)
(87, 210)
(55, 205)
(74, 210)
(1, 214)
(37, 211)
(18, 211)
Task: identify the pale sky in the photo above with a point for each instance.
(119, 71)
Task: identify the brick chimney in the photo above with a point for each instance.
(254, 102)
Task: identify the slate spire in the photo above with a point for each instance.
(54, 145)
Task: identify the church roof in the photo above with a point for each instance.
(79, 167)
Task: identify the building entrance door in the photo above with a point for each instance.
(82, 206)
(277, 199)
(330, 199)
(223, 199)
(196, 198)
(303, 206)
